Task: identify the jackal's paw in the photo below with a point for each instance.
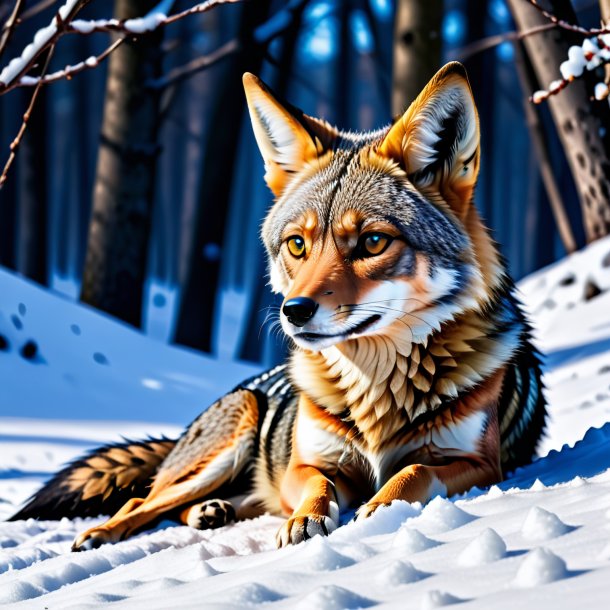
(366, 510)
(91, 539)
(211, 514)
(297, 529)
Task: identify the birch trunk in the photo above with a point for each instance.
(578, 126)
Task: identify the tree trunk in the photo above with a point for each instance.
(31, 255)
(528, 82)
(417, 49)
(196, 315)
(578, 127)
(604, 9)
(115, 263)
(252, 346)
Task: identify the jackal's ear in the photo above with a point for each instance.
(286, 137)
(436, 141)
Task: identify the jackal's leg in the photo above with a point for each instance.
(317, 511)
(420, 483)
(209, 514)
(306, 489)
(213, 451)
(217, 512)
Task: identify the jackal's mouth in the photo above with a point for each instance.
(358, 328)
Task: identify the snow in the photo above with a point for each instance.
(488, 546)
(538, 539)
(148, 23)
(41, 38)
(541, 525)
(539, 567)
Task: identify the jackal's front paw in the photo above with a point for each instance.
(211, 514)
(366, 510)
(92, 539)
(297, 529)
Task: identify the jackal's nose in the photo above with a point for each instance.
(299, 310)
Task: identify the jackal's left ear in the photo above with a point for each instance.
(437, 139)
(286, 137)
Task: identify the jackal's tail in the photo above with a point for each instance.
(99, 483)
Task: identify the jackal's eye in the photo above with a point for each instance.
(372, 244)
(296, 246)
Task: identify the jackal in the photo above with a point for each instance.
(412, 372)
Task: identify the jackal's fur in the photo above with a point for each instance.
(412, 373)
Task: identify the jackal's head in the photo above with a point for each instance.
(375, 233)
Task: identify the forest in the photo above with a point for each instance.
(442, 442)
(131, 177)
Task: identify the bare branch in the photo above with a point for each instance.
(9, 27)
(493, 41)
(14, 75)
(36, 9)
(196, 65)
(69, 71)
(26, 117)
(44, 39)
(568, 26)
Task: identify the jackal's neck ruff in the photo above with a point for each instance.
(385, 382)
(395, 294)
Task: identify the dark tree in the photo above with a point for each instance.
(417, 49)
(115, 264)
(196, 315)
(577, 122)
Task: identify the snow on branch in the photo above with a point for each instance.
(569, 26)
(15, 72)
(43, 40)
(593, 53)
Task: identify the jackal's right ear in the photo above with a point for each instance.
(437, 139)
(287, 138)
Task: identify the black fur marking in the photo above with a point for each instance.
(324, 528)
(286, 401)
(59, 499)
(306, 535)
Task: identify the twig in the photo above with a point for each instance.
(568, 26)
(493, 41)
(131, 28)
(37, 8)
(139, 25)
(47, 37)
(69, 71)
(9, 27)
(26, 117)
(194, 66)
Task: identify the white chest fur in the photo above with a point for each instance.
(330, 451)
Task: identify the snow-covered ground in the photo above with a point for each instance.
(539, 540)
